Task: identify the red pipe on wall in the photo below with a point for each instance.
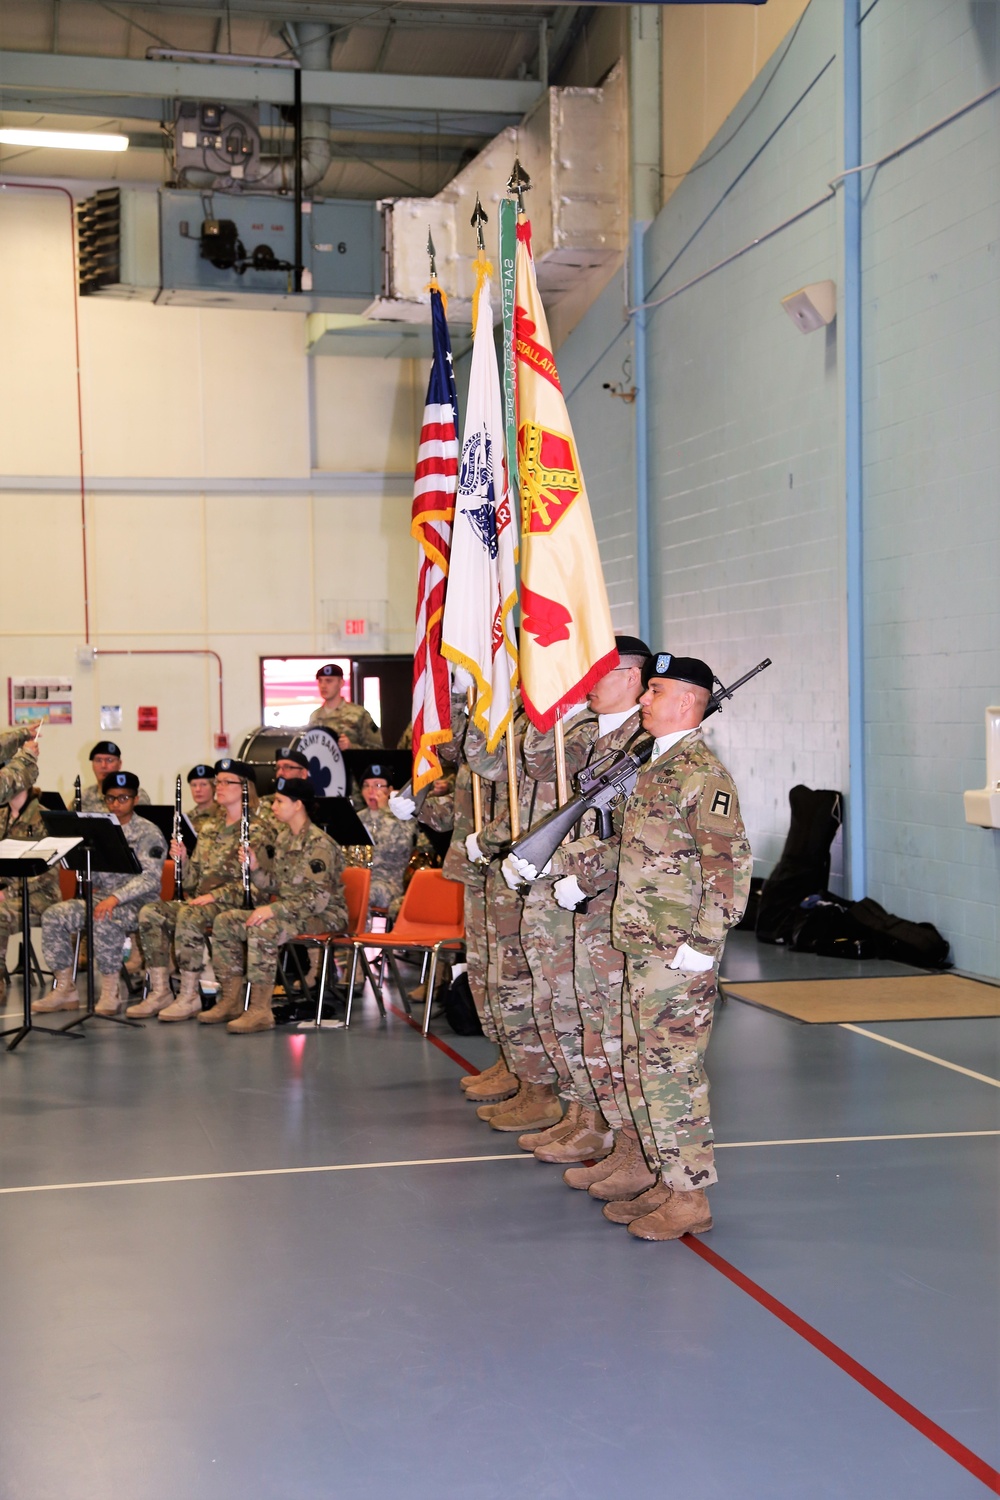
(177, 651)
(48, 187)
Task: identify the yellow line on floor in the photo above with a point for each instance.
(448, 1161)
(925, 1056)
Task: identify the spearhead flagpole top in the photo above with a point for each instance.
(518, 184)
(431, 255)
(479, 218)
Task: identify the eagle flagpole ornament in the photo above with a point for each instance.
(567, 638)
(433, 513)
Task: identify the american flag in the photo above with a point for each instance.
(433, 512)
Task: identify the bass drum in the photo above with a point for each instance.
(326, 764)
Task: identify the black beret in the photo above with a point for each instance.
(125, 781)
(680, 668)
(201, 773)
(295, 787)
(630, 645)
(295, 756)
(241, 768)
(105, 747)
(374, 773)
(330, 670)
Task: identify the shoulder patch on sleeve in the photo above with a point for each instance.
(317, 866)
(717, 806)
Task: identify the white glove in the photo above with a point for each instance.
(691, 962)
(518, 871)
(473, 852)
(568, 893)
(461, 681)
(402, 807)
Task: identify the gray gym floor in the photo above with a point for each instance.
(296, 1267)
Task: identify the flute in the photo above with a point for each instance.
(179, 841)
(245, 847)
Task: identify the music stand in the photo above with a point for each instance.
(338, 817)
(103, 848)
(23, 866)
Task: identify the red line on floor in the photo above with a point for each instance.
(436, 1040)
(975, 1465)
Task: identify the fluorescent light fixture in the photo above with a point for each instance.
(64, 140)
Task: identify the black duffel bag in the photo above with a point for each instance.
(460, 1008)
(916, 943)
(804, 867)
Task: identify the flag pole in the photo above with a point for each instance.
(477, 785)
(515, 812)
(562, 781)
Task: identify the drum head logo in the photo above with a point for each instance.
(326, 764)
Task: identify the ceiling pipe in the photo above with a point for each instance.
(311, 42)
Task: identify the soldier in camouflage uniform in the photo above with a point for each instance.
(118, 900)
(213, 883)
(304, 893)
(201, 783)
(18, 760)
(21, 818)
(105, 760)
(392, 841)
(683, 881)
(350, 723)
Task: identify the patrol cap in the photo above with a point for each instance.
(330, 670)
(295, 756)
(375, 772)
(680, 668)
(201, 773)
(125, 781)
(241, 768)
(630, 645)
(105, 747)
(296, 788)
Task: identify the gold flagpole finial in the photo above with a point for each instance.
(518, 184)
(432, 256)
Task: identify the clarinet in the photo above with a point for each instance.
(179, 841)
(245, 847)
(77, 796)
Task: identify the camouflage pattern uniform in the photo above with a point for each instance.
(683, 877)
(546, 928)
(19, 766)
(43, 890)
(66, 918)
(352, 719)
(201, 817)
(459, 868)
(214, 866)
(599, 968)
(304, 888)
(393, 845)
(92, 799)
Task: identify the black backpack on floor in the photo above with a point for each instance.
(460, 1008)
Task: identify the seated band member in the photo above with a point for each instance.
(392, 841)
(303, 892)
(21, 818)
(201, 783)
(213, 882)
(105, 760)
(118, 899)
(18, 760)
(352, 724)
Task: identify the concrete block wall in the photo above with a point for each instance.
(931, 288)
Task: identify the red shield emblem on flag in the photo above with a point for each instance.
(546, 619)
(549, 474)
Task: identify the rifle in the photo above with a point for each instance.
(600, 786)
(178, 839)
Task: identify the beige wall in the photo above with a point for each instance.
(234, 487)
(711, 56)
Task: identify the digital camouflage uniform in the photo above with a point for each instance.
(546, 928)
(304, 888)
(599, 968)
(92, 798)
(352, 719)
(683, 877)
(65, 919)
(461, 869)
(19, 766)
(392, 843)
(43, 890)
(213, 867)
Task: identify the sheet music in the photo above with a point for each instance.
(51, 850)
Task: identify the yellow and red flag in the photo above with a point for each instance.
(567, 639)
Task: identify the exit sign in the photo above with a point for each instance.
(355, 627)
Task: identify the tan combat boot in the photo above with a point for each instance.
(485, 1090)
(487, 1111)
(592, 1138)
(188, 1002)
(158, 995)
(229, 1004)
(110, 1003)
(468, 1079)
(629, 1179)
(683, 1213)
(582, 1177)
(62, 996)
(536, 1105)
(260, 1016)
(626, 1209)
(534, 1138)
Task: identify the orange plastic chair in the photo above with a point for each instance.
(168, 881)
(430, 919)
(357, 885)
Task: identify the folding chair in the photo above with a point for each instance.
(357, 885)
(431, 919)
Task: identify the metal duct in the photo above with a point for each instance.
(311, 40)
